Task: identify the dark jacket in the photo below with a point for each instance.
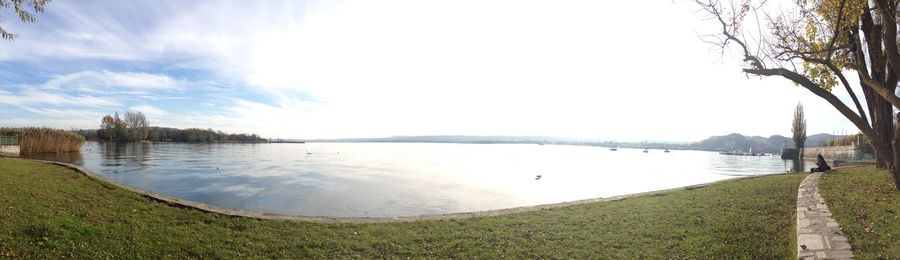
(822, 164)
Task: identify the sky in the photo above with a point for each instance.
(337, 69)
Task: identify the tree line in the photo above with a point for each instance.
(135, 127)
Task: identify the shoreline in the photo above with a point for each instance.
(53, 212)
(178, 202)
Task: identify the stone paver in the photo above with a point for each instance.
(818, 235)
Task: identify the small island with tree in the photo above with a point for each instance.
(134, 127)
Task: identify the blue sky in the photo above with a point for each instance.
(295, 69)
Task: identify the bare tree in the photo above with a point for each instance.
(144, 126)
(813, 44)
(137, 125)
(119, 128)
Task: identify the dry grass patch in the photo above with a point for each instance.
(44, 140)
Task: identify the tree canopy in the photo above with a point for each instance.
(818, 44)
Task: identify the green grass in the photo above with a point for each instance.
(865, 203)
(49, 211)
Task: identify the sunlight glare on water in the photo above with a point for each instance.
(403, 179)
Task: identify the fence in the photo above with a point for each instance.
(849, 152)
(9, 140)
(9, 146)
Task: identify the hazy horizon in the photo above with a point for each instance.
(568, 138)
(324, 70)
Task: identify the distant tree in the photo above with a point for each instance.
(88, 134)
(137, 126)
(153, 135)
(131, 124)
(813, 44)
(107, 128)
(144, 126)
(799, 128)
(120, 128)
(20, 8)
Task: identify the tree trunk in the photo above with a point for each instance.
(884, 128)
(880, 110)
(895, 169)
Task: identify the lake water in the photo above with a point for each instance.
(402, 179)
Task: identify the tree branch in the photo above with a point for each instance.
(883, 91)
(837, 29)
(836, 71)
(890, 35)
(712, 8)
(815, 89)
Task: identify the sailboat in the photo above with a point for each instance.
(645, 150)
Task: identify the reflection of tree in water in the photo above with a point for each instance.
(111, 150)
(127, 154)
(69, 157)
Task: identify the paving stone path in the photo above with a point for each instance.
(818, 235)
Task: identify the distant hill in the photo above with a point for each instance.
(731, 142)
(465, 139)
(771, 144)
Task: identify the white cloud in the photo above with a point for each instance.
(288, 117)
(65, 113)
(572, 68)
(89, 80)
(85, 30)
(34, 97)
(62, 123)
(151, 111)
(517, 68)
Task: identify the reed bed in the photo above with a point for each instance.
(34, 140)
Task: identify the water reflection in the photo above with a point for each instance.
(391, 179)
(71, 157)
(124, 157)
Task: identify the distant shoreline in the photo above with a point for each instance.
(183, 142)
(725, 143)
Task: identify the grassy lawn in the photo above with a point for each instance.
(49, 211)
(865, 203)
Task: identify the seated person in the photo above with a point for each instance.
(823, 166)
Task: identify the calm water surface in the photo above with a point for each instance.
(402, 179)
